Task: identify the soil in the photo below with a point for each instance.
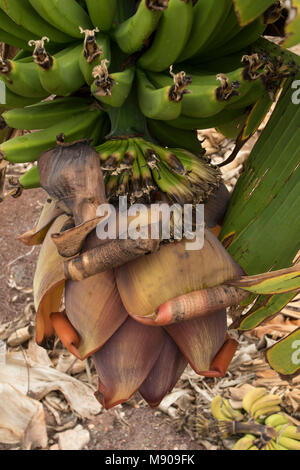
(140, 427)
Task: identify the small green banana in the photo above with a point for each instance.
(17, 101)
(232, 129)
(22, 13)
(276, 420)
(8, 25)
(66, 15)
(96, 48)
(246, 36)
(169, 40)
(22, 78)
(164, 103)
(132, 34)
(168, 136)
(59, 74)
(46, 113)
(28, 148)
(188, 123)
(112, 89)
(12, 40)
(30, 179)
(102, 13)
(206, 18)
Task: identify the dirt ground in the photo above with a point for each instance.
(141, 427)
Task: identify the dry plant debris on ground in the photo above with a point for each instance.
(51, 393)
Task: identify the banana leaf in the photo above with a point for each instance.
(249, 10)
(262, 224)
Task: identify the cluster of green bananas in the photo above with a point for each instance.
(137, 168)
(97, 58)
(263, 426)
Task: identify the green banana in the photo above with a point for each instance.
(46, 114)
(8, 25)
(246, 36)
(255, 91)
(232, 129)
(66, 15)
(59, 74)
(96, 48)
(164, 103)
(229, 27)
(252, 396)
(112, 89)
(132, 33)
(9, 38)
(22, 13)
(188, 123)
(206, 18)
(168, 136)
(17, 101)
(169, 40)
(28, 148)
(218, 410)
(30, 179)
(102, 13)
(114, 157)
(276, 420)
(22, 78)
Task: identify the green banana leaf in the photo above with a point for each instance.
(284, 356)
(292, 30)
(275, 282)
(248, 10)
(262, 224)
(265, 307)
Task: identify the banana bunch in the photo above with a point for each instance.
(137, 168)
(135, 78)
(267, 429)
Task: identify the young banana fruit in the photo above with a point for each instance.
(163, 103)
(28, 148)
(30, 179)
(46, 113)
(22, 13)
(22, 78)
(66, 15)
(9, 38)
(189, 123)
(9, 26)
(132, 34)
(171, 137)
(206, 18)
(59, 74)
(102, 13)
(169, 40)
(112, 89)
(17, 101)
(96, 48)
